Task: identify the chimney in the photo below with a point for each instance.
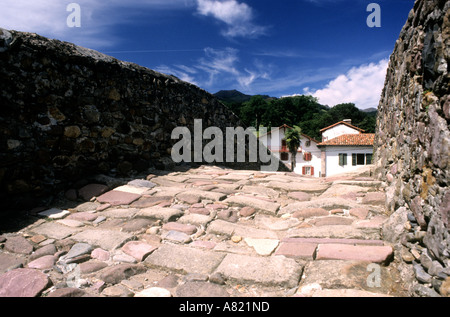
(349, 121)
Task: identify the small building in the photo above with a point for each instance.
(345, 148)
(308, 159)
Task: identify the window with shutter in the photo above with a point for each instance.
(284, 156)
(312, 171)
(342, 159)
(307, 156)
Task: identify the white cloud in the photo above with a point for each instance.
(361, 85)
(219, 67)
(237, 16)
(177, 71)
(48, 17)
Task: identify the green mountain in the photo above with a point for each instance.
(303, 111)
(234, 96)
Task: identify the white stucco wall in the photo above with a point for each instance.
(316, 158)
(273, 141)
(332, 158)
(336, 131)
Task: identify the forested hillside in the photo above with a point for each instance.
(303, 111)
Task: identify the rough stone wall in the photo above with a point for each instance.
(67, 112)
(412, 146)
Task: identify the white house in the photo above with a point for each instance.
(338, 129)
(308, 159)
(345, 148)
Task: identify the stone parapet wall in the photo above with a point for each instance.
(68, 112)
(412, 145)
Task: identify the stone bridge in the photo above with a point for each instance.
(205, 232)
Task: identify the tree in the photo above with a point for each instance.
(252, 111)
(293, 142)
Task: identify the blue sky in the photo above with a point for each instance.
(319, 47)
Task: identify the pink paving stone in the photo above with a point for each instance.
(332, 221)
(100, 254)
(103, 207)
(202, 183)
(67, 292)
(43, 263)
(138, 250)
(334, 241)
(300, 196)
(200, 211)
(117, 198)
(216, 206)
(83, 216)
(375, 222)
(92, 190)
(374, 198)
(360, 213)
(247, 211)
(92, 266)
(336, 211)
(146, 202)
(310, 212)
(165, 204)
(373, 254)
(23, 283)
(297, 250)
(18, 245)
(175, 226)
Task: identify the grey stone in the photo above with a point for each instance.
(394, 227)
(423, 291)
(142, 183)
(78, 250)
(267, 271)
(170, 281)
(54, 213)
(201, 289)
(6, 39)
(184, 260)
(336, 232)
(86, 207)
(221, 227)
(105, 239)
(308, 187)
(53, 230)
(258, 204)
(420, 273)
(177, 237)
(137, 225)
(164, 214)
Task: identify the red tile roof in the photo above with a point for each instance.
(366, 139)
(342, 122)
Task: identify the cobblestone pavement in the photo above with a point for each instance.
(206, 232)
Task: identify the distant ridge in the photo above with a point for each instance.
(370, 110)
(231, 96)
